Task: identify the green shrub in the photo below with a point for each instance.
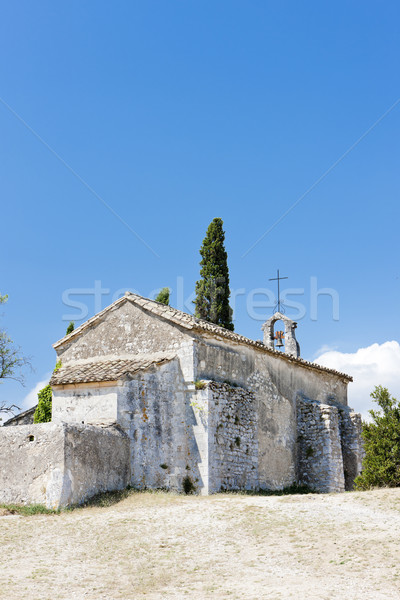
(43, 409)
(381, 464)
(70, 328)
(188, 485)
(163, 296)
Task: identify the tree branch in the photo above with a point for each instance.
(8, 409)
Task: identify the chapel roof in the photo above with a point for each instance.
(26, 414)
(193, 323)
(90, 371)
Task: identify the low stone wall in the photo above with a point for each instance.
(61, 464)
(96, 460)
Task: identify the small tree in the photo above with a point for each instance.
(8, 408)
(43, 409)
(70, 328)
(11, 359)
(11, 362)
(381, 464)
(163, 296)
(212, 290)
(45, 396)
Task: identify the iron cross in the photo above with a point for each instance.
(278, 279)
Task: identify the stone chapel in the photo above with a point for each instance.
(152, 397)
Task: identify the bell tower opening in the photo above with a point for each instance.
(279, 335)
(279, 330)
(273, 338)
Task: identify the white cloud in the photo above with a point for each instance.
(378, 364)
(31, 397)
(324, 349)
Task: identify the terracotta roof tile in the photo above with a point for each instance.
(193, 323)
(106, 370)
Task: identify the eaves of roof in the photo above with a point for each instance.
(191, 323)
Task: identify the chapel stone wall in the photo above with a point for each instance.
(91, 404)
(320, 458)
(154, 410)
(233, 439)
(124, 331)
(350, 424)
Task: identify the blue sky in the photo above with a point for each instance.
(174, 113)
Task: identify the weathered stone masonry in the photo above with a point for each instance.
(226, 436)
(320, 463)
(151, 396)
(329, 446)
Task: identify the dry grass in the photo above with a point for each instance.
(157, 545)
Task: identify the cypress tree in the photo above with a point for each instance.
(212, 290)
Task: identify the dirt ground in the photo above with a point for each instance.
(224, 546)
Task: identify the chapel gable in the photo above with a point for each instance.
(123, 329)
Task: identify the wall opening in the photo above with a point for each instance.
(279, 335)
